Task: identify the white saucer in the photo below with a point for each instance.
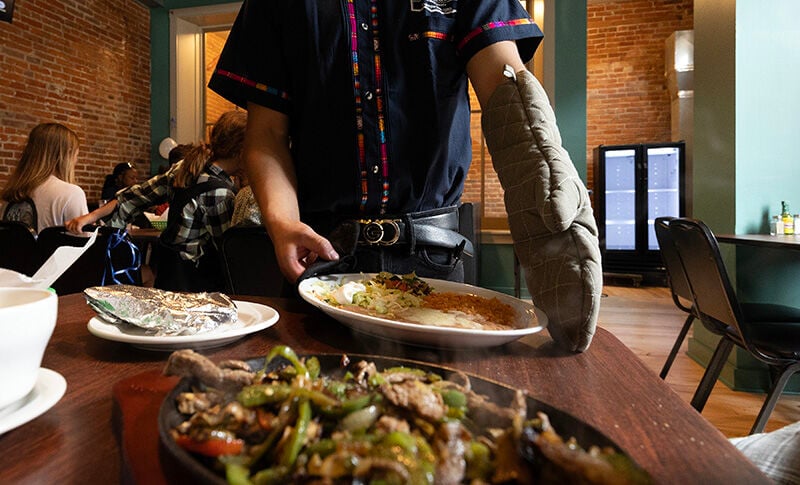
(253, 317)
(48, 390)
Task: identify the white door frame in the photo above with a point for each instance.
(186, 78)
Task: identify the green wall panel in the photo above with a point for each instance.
(497, 269)
(569, 99)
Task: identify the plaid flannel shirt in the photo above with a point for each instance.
(202, 220)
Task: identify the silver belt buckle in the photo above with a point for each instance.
(374, 231)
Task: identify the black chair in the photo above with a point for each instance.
(249, 263)
(679, 287)
(96, 265)
(769, 332)
(469, 226)
(18, 248)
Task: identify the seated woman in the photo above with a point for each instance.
(124, 175)
(201, 196)
(41, 191)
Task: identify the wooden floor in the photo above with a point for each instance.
(647, 321)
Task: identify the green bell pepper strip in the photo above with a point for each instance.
(312, 364)
(319, 399)
(405, 370)
(346, 407)
(337, 388)
(259, 394)
(271, 476)
(288, 354)
(454, 399)
(479, 461)
(323, 447)
(237, 474)
(292, 447)
(404, 440)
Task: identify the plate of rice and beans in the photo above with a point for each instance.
(423, 311)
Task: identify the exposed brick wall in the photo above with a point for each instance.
(83, 63)
(627, 99)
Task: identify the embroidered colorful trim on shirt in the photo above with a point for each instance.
(432, 35)
(359, 105)
(253, 84)
(362, 152)
(490, 26)
(379, 103)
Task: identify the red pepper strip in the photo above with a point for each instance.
(212, 447)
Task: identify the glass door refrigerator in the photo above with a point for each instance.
(633, 185)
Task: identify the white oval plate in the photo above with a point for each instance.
(48, 390)
(529, 318)
(252, 318)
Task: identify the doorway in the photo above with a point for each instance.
(197, 36)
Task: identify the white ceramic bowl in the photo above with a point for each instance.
(27, 320)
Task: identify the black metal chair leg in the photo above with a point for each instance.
(677, 346)
(713, 370)
(773, 396)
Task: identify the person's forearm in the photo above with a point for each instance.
(102, 211)
(76, 225)
(270, 169)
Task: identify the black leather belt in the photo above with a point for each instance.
(414, 229)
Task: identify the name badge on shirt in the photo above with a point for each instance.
(442, 7)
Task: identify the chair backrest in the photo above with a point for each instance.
(18, 250)
(712, 293)
(249, 263)
(93, 267)
(23, 211)
(469, 225)
(672, 262)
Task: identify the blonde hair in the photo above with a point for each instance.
(227, 141)
(51, 149)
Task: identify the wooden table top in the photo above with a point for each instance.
(762, 240)
(88, 437)
(144, 235)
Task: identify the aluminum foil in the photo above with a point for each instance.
(161, 312)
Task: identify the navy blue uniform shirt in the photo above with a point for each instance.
(375, 91)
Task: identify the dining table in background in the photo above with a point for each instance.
(104, 429)
(146, 239)
(791, 242)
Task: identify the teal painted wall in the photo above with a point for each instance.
(767, 111)
(569, 98)
(159, 83)
(767, 157)
(497, 269)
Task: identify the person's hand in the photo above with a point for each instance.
(75, 225)
(297, 246)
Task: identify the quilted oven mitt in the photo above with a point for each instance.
(549, 211)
